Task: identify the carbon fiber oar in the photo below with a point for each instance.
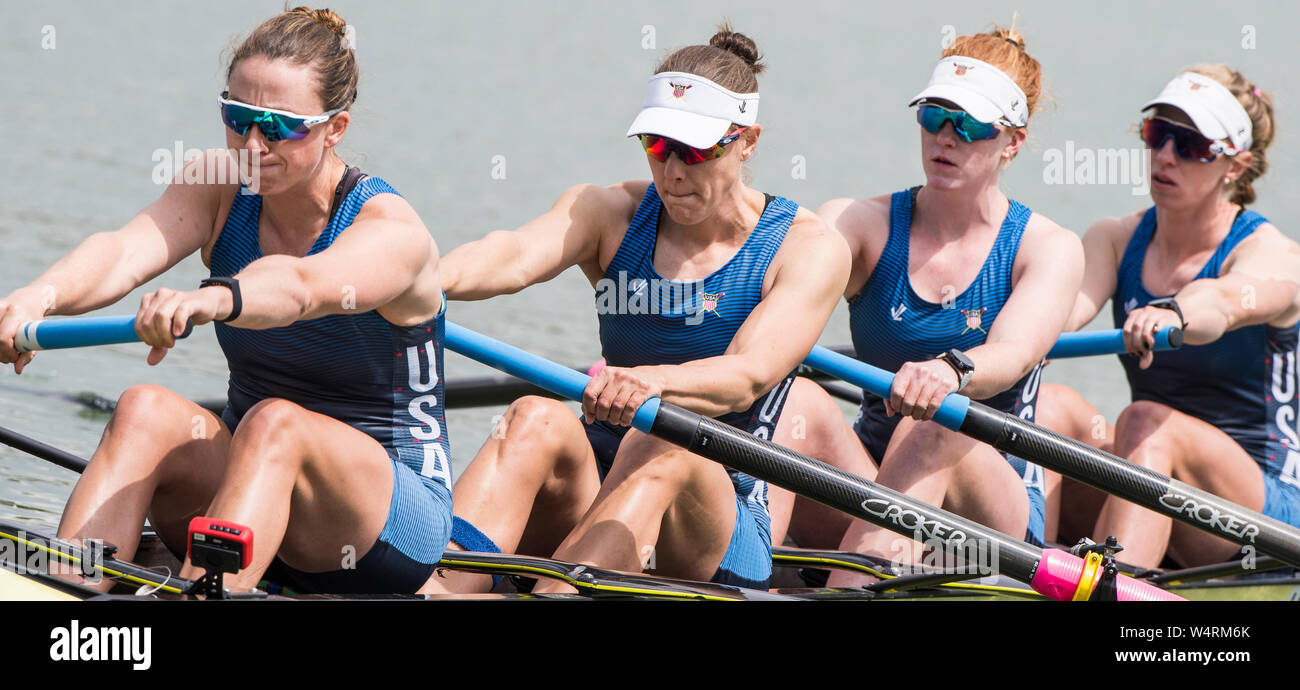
(1096, 468)
(1054, 573)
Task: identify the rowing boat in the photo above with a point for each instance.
(30, 563)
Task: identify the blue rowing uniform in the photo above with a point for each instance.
(891, 325)
(382, 379)
(646, 319)
(1243, 383)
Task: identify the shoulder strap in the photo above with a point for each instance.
(351, 177)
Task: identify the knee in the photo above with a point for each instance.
(926, 444)
(140, 406)
(1141, 431)
(267, 427)
(808, 417)
(644, 462)
(534, 421)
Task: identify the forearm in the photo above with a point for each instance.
(1208, 312)
(89, 277)
(712, 386)
(998, 366)
(274, 294)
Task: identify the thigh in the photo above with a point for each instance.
(697, 497)
(987, 489)
(344, 488)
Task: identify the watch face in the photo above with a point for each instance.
(961, 359)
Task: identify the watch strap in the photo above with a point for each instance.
(236, 300)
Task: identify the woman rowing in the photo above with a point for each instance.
(708, 294)
(1220, 413)
(957, 288)
(332, 447)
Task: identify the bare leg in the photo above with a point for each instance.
(1170, 442)
(813, 424)
(161, 456)
(659, 500)
(942, 468)
(527, 487)
(312, 488)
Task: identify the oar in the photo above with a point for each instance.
(1082, 462)
(1109, 342)
(82, 331)
(1054, 573)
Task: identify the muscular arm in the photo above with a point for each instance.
(505, 262)
(775, 337)
(374, 261)
(1259, 284)
(1101, 266)
(108, 265)
(1032, 318)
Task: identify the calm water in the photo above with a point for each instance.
(92, 90)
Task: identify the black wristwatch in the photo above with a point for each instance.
(960, 364)
(1172, 305)
(236, 301)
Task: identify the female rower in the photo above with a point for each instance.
(332, 446)
(1220, 413)
(957, 288)
(708, 295)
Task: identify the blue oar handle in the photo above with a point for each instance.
(556, 378)
(1109, 342)
(878, 381)
(82, 331)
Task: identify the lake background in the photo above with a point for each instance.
(91, 91)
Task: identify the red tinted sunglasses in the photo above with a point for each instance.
(660, 147)
(1189, 144)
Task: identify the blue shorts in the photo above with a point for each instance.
(875, 438)
(402, 558)
(1281, 500)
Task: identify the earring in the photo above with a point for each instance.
(1227, 180)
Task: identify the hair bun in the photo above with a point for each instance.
(738, 44)
(325, 17)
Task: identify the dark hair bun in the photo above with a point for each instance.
(738, 44)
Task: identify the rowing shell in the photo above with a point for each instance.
(25, 559)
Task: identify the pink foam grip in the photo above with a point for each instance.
(1058, 576)
(600, 364)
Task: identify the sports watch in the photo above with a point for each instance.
(960, 364)
(236, 301)
(1172, 305)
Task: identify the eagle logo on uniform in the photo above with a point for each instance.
(973, 319)
(679, 90)
(710, 302)
(960, 69)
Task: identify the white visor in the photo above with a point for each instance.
(979, 88)
(692, 109)
(1216, 113)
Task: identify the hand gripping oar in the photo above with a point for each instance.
(1109, 342)
(81, 331)
(1056, 574)
(1094, 467)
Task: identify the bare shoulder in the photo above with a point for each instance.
(1267, 244)
(812, 242)
(1115, 231)
(1041, 231)
(861, 222)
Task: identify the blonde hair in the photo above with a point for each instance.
(1259, 106)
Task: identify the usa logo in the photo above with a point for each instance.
(679, 90)
(960, 69)
(710, 302)
(973, 320)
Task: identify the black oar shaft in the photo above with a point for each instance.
(41, 450)
(836, 488)
(1132, 482)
